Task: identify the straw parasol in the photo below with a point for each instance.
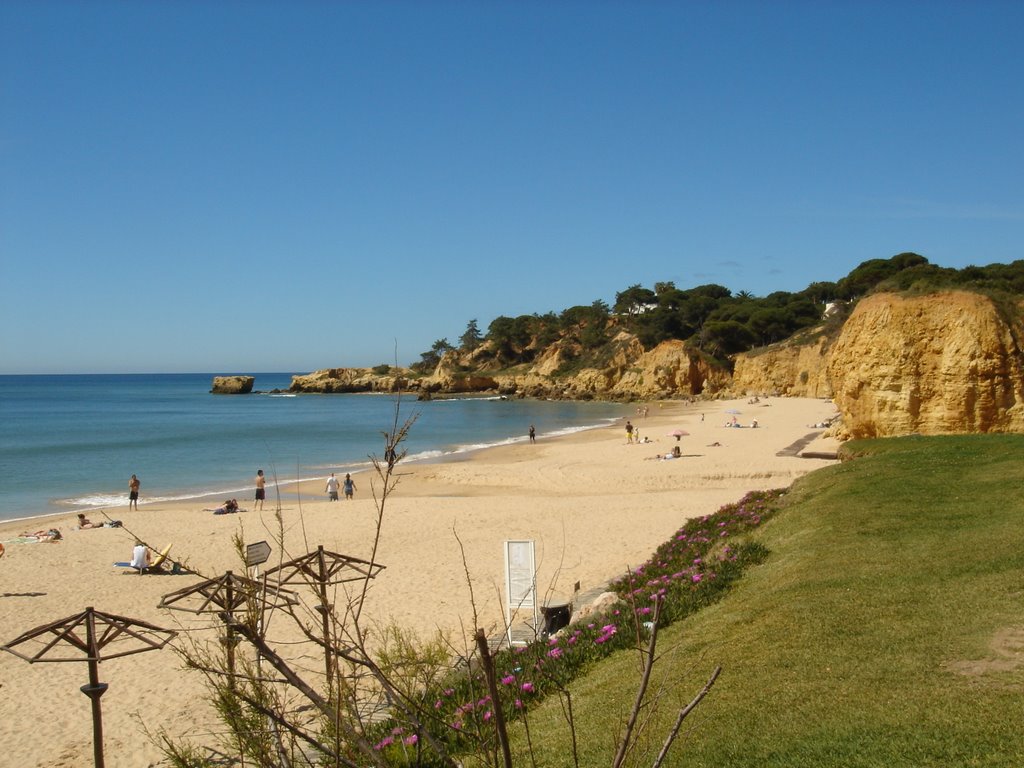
(101, 637)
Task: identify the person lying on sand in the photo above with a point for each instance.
(51, 534)
(230, 506)
(84, 522)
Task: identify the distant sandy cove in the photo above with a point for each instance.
(593, 504)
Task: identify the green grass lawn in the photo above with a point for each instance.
(886, 628)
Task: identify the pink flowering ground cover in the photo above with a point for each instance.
(693, 569)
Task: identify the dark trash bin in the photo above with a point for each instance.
(555, 617)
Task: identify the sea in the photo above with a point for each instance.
(69, 443)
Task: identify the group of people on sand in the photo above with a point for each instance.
(348, 484)
(734, 422)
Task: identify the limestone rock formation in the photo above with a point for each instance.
(943, 363)
(232, 385)
(335, 380)
(797, 370)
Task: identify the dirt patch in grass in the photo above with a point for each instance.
(1007, 654)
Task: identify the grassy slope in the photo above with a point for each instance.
(885, 629)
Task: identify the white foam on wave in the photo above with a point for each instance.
(470, 447)
(464, 399)
(98, 500)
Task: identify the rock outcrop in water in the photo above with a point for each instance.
(232, 385)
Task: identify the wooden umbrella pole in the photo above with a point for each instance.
(94, 689)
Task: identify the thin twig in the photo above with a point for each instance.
(682, 716)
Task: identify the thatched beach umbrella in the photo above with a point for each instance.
(226, 594)
(321, 569)
(101, 637)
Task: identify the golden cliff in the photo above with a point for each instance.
(789, 368)
(668, 370)
(935, 364)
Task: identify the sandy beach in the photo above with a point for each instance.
(592, 504)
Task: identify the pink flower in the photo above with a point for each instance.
(555, 653)
(508, 680)
(488, 715)
(527, 687)
(387, 741)
(410, 740)
(697, 577)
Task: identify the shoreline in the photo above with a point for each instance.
(460, 453)
(593, 505)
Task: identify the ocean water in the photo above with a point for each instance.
(70, 443)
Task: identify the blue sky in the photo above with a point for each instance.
(285, 186)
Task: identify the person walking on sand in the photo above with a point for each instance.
(533, 434)
(332, 487)
(349, 486)
(133, 493)
(261, 489)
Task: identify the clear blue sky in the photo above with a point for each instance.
(260, 186)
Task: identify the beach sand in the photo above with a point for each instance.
(593, 505)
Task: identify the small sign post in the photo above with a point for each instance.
(257, 554)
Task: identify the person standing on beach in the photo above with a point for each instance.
(533, 434)
(349, 486)
(332, 487)
(261, 489)
(133, 493)
(629, 431)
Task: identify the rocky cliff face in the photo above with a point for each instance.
(943, 363)
(797, 370)
(668, 370)
(336, 380)
(934, 364)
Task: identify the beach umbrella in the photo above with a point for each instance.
(733, 411)
(101, 637)
(226, 594)
(320, 569)
(677, 433)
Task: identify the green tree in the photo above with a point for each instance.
(633, 300)
(722, 338)
(429, 360)
(472, 337)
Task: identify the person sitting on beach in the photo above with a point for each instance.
(753, 424)
(140, 556)
(677, 453)
(84, 522)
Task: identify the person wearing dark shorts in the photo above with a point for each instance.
(133, 493)
(261, 489)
